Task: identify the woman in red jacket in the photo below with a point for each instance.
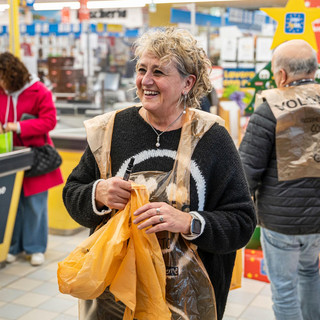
(21, 93)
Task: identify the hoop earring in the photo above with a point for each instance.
(185, 95)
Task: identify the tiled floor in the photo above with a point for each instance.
(31, 293)
(251, 302)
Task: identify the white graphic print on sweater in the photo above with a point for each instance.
(196, 174)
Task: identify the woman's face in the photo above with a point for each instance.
(159, 87)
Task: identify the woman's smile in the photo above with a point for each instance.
(149, 93)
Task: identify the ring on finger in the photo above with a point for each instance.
(161, 218)
(158, 211)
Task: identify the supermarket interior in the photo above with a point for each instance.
(82, 52)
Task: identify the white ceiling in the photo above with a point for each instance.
(247, 4)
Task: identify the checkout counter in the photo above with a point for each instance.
(12, 166)
(70, 143)
(69, 138)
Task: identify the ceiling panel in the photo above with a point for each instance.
(249, 4)
(245, 4)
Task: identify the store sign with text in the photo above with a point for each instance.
(131, 17)
(237, 76)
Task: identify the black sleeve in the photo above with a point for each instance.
(77, 192)
(229, 211)
(257, 144)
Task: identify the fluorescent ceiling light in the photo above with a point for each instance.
(90, 4)
(186, 1)
(112, 4)
(55, 5)
(4, 7)
(116, 4)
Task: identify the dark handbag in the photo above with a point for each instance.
(45, 159)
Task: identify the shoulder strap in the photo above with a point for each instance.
(197, 123)
(99, 135)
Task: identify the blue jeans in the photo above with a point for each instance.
(293, 269)
(30, 232)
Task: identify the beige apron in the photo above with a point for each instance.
(189, 292)
(297, 110)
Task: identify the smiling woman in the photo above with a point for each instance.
(160, 87)
(176, 53)
(200, 207)
(170, 76)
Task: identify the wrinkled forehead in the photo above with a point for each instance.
(150, 57)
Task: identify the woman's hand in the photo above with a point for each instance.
(113, 193)
(159, 216)
(11, 126)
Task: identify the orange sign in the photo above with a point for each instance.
(65, 15)
(84, 13)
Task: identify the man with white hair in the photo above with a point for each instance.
(281, 156)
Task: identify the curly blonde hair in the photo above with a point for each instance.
(178, 45)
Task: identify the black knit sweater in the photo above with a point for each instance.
(218, 190)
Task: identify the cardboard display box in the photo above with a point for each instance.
(254, 265)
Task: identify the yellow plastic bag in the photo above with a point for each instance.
(237, 271)
(123, 258)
